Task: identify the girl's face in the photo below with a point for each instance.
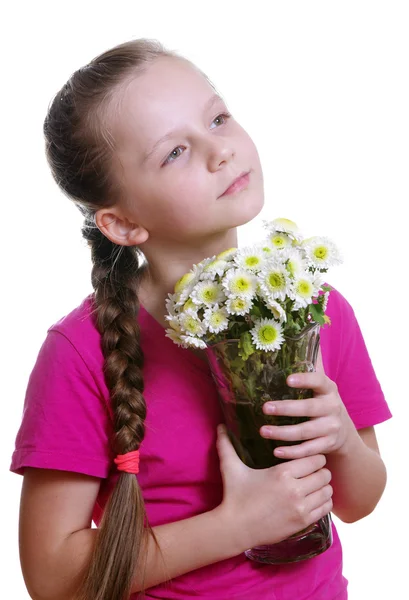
(178, 150)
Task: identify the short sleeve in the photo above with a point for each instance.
(66, 424)
(350, 366)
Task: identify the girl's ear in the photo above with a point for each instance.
(119, 229)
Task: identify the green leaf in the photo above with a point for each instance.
(255, 311)
(246, 347)
(317, 313)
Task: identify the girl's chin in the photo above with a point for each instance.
(247, 210)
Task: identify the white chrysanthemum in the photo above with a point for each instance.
(198, 269)
(216, 319)
(251, 259)
(303, 291)
(279, 240)
(278, 311)
(239, 306)
(274, 281)
(190, 308)
(208, 293)
(241, 283)
(189, 341)
(295, 262)
(215, 267)
(322, 252)
(284, 226)
(175, 336)
(325, 303)
(227, 254)
(170, 303)
(267, 334)
(192, 325)
(174, 323)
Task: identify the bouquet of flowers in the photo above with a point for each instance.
(257, 294)
(257, 312)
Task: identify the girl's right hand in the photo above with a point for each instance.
(266, 506)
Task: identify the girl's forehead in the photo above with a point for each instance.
(167, 96)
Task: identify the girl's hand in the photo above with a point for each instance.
(329, 429)
(265, 506)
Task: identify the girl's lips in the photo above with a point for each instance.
(238, 184)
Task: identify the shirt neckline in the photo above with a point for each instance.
(185, 353)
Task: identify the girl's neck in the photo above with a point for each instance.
(169, 262)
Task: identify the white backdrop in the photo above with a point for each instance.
(322, 87)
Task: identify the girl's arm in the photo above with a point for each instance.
(259, 506)
(56, 538)
(358, 476)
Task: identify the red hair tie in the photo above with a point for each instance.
(128, 462)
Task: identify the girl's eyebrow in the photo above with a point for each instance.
(212, 100)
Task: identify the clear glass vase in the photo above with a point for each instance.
(243, 387)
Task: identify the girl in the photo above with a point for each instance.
(146, 149)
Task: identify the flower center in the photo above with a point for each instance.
(252, 261)
(242, 284)
(321, 252)
(278, 241)
(303, 287)
(268, 334)
(276, 280)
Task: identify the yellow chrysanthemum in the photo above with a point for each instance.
(226, 254)
(285, 225)
(183, 282)
(189, 305)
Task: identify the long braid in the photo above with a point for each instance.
(80, 151)
(115, 276)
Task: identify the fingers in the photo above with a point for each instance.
(315, 482)
(316, 381)
(319, 445)
(293, 433)
(303, 466)
(224, 446)
(310, 407)
(319, 503)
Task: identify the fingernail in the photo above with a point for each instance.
(279, 452)
(292, 380)
(270, 409)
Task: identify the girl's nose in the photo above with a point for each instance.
(220, 151)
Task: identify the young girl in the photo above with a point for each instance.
(143, 145)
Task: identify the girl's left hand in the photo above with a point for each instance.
(329, 428)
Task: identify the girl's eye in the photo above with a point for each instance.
(172, 155)
(226, 116)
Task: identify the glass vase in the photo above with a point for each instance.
(243, 387)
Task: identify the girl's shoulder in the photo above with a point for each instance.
(78, 327)
(79, 323)
(347, 362)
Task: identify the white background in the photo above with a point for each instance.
(322, 87)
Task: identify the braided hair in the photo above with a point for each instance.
(79, 151)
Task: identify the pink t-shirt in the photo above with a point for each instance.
(67, 425)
